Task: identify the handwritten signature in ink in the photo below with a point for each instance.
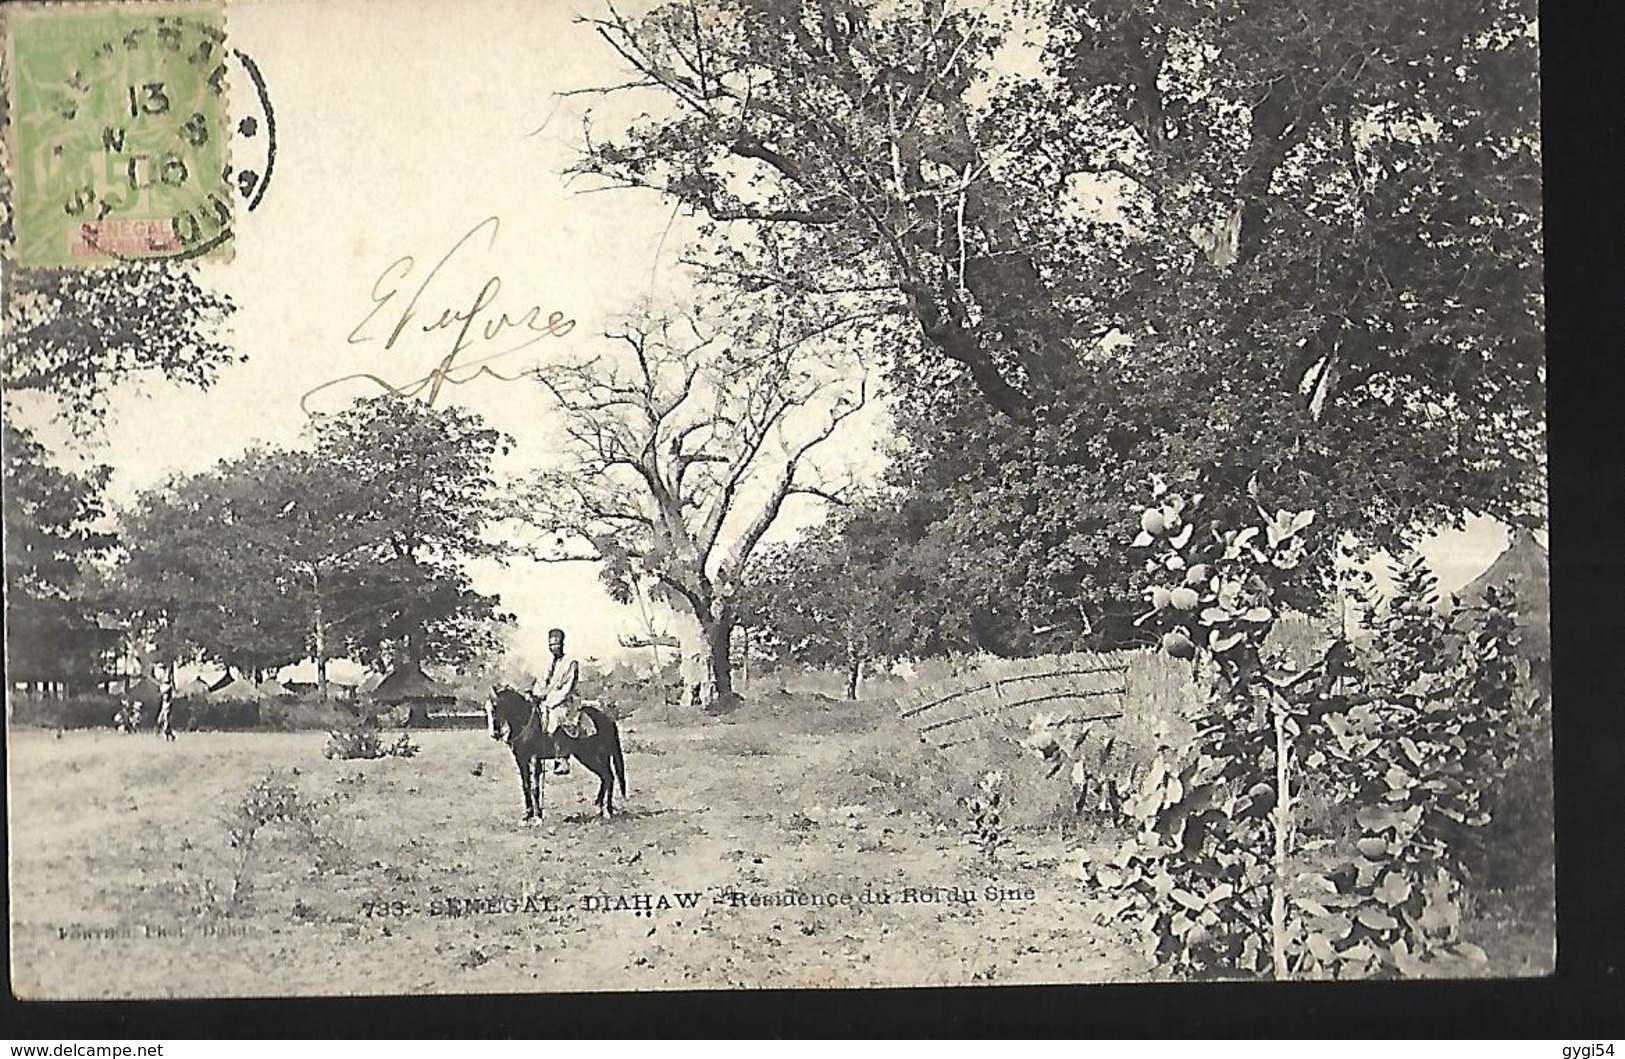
(473, 322)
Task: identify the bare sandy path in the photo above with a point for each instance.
(114, 839)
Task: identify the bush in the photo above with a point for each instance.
(1411, 733)
(276, 801)
(362, 740)
(93, 710)
(892, 770)
(986, 821)
(1101, 755)
(290, 713)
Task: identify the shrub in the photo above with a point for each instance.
(894, 770)
(276, 800)
(986, 822)
(1410, 732)
(93, 710)
(362, 740)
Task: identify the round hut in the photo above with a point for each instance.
(1525, 566)
(409, 687)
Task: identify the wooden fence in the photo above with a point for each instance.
(1008, 684)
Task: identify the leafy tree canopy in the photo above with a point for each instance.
(1247, 239)
(74, 334)
(355, 549)
(50, 542)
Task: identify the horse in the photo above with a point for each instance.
(515, 716)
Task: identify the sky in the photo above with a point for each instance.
(403, 129)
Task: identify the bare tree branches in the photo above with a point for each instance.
(682, 443)
(870, 150)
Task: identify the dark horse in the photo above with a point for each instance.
(514, 715)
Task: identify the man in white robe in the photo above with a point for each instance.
(556, 696)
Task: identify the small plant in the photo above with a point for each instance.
(363, 740)
(987, 825)
(402, 747)
(1103, 771)
(275, 801)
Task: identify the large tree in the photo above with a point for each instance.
(356, 549)
(682, 442)
(51, 540)
(74, 334)
(422, 486)
(844, 595)
(294, 536)
(266, 548)
(165, 583)
(1244, 238)
(71, 336)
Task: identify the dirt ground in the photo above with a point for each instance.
(437, 887)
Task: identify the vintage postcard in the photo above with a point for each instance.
(695, 494)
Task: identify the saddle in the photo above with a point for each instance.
(573, 721)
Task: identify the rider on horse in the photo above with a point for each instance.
(556, 699)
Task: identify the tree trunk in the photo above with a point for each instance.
(1282, 826)
(319, 635)
(719, 637)
(854, 673)
(706, 660)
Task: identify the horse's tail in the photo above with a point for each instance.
(616, 756)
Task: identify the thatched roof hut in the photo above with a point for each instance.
(407, 685)
(1526, 566)
(241, 690)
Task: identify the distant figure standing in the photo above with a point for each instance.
(556, 696)
(128, 718)
(164, 705)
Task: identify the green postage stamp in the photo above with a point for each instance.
(117, 137)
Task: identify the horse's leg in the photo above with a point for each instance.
(606, 787)
(524, 785)
(541, 785)
(591, 762)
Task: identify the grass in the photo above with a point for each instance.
(133, 837)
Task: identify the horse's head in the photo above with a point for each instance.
(504, 712)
